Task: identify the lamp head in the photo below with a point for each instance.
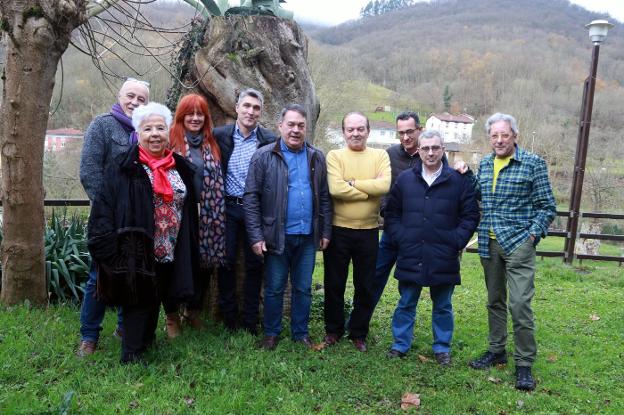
(598, 31)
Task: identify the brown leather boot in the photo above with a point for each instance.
(191, 317)
(172, 324)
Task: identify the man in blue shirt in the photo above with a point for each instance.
(237, 143)
(288, 217)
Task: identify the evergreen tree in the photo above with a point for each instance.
(446, 98)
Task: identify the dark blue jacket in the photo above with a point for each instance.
(266, 197)
(431, 225)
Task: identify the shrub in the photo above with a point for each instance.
(67, 259)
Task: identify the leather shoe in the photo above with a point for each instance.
(393, 354)
(86, 348)
(173, 325)
(359, 344)
(489, 359)
(331, 339)
(306, 341)
(443, 358)
(269, 342)
(524, 379)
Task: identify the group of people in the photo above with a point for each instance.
(173, 198)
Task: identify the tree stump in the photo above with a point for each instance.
(228, 54)
(225, 55)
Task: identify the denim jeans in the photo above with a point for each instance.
(92, 311)
(386, 258)
(297, 260)
(441, 316)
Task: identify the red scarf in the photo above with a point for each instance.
(159, 167)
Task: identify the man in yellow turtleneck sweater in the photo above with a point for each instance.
(358, 178)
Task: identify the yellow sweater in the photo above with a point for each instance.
(357, 206)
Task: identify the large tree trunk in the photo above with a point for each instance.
(36, 35)
(262, 52)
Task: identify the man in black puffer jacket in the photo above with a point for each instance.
(431, 214)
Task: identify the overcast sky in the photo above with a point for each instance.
(337, 11)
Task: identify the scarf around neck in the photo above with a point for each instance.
(159, 167)
(125, 121)
(212, 205)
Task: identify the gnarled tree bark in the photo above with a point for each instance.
(36, 34)
(262, 52)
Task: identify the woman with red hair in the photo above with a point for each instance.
(191, 136)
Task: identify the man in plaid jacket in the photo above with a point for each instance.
(517, 208)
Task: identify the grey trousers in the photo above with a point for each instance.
(515, 272)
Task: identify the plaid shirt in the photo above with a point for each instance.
(239, 162)
(523, 204)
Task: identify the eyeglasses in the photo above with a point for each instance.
(130, 79)
(409, 132)
(503, 136)
(426, 149)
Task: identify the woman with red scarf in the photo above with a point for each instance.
(191, 136)
(143, 231)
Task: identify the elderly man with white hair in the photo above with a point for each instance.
(143, 230)
(517, 206)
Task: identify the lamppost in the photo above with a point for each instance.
(597, 34)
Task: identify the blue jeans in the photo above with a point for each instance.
(92, 311)
(386, 258)
(298, 259)
(441, 317)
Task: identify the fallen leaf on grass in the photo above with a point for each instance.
(189, 401)
(320, 346)
(423, 359)
(594, 317)
(494, 380)
(410, 400)
(552, 358)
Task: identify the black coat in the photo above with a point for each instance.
(266, 197)
(431, 225)
(125, 202)
(225, 140)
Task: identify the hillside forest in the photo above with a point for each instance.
(528, 58)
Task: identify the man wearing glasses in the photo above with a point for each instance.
(403, 156)
(518, 206)
(431, 213)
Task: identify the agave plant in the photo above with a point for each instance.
(67, 258)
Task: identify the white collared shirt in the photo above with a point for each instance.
(430, 178)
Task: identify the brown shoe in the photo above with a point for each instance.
(172, 324)
(331, 339)
(192, 319)
(359, 344)
(86, 348)
(306, 341)
(269, 342)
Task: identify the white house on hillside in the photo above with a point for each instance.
(56, 140)
(454, 128)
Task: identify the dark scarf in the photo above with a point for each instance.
(125, 121)
(212, 206)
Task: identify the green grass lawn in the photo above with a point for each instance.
(579, 370)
